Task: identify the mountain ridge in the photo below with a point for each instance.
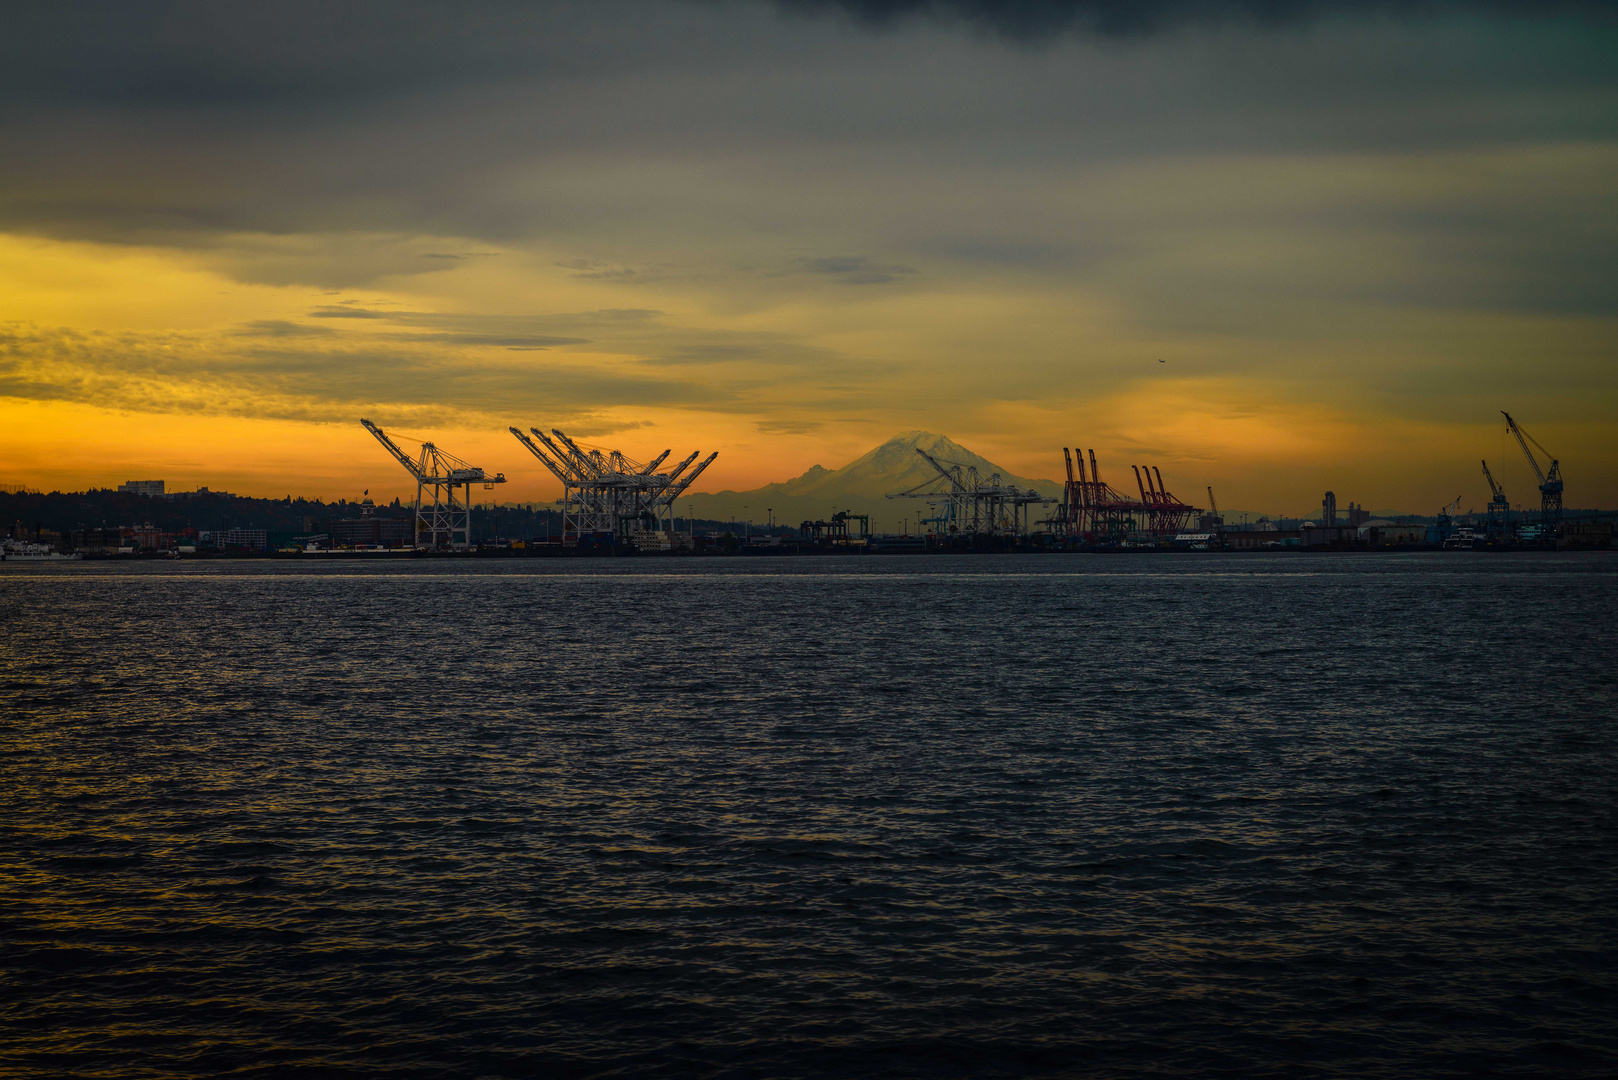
(861, 486)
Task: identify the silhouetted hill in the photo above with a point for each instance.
(61, 511)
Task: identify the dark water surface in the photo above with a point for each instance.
(1190, 816)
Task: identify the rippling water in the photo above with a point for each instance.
(1073, 815)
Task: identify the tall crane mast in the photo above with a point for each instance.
(447, 521)
(1499, 526)
(1070, 494)
(1550, 480)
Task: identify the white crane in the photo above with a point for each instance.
(609, 492)
(445, 524)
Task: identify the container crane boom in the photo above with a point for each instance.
(1533, 462)
(393, 448)
(446, 522)
(540, 454)
(680, 468)
(562, 457)
(941, 470)
(678, 489)
(1550, 480)
(1499, 493)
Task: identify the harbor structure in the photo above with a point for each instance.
(443, 493)
(609, 496)
(1498, 528)
(1093, 511)
(965, 501)
(1550, 479)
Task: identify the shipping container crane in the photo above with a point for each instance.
(1550, 480)
(974, 504)
(445, 524)
(609, 492)
(1499, 527)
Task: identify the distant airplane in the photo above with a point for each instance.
(1160, 360)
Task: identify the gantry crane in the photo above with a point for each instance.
(971, 503)
(609, 492)
(1499, 528)
(446, 524)
(1550, 480)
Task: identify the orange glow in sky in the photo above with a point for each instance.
(1202, 249)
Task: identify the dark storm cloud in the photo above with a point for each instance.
(1035, 19)
(370, 140)
(304, 56)
(206, 55)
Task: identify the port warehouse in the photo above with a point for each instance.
(614, 504)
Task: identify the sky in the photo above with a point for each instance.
(1272, 247)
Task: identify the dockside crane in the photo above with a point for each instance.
(677, 486)
(1550, 480)
(1070, 495)
(447, 522)
(1145, 499)
(609, 492)
(1212, 521)
(1446, 518)
(1499, 527)
(972, 503)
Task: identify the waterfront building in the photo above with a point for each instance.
(369, 530)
